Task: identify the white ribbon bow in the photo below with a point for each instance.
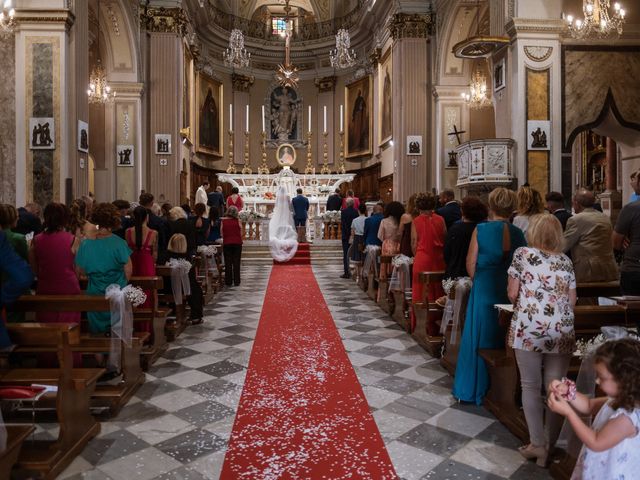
(121, 322)
(371, 253)
(179, 279)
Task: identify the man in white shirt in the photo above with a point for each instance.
(201, 194)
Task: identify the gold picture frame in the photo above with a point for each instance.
(209, 122)
(286, 155)
(385, 99)
(359, 121)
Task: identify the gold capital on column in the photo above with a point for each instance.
(404, 25)
(164, 20)
(242, 83)
(326, 84)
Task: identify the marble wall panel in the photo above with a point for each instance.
(588, 76)
(7, 121)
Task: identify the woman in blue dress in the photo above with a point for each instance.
(490, 252)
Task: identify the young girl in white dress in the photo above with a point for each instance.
(612, 443)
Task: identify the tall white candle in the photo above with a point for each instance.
(231, 116)
(342, 118)
(247, 123)
(309, 119)
(325, 119)
(263, 129)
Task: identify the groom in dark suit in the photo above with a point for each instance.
(300, 212)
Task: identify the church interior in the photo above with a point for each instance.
(126, 122)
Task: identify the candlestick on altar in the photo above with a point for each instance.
(263, 169)
(325, 120)
(246, 170)
(309, 170)
(231, 168)
(342, 118)
(325, 170)
(309, 129)
(247, 129)
(231, 117)
(263, 129)
(341, 168)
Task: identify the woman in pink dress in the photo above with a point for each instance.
(235, 200)
(52, 255)
(143, 241)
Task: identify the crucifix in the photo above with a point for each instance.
(457, 133)
(287, 74)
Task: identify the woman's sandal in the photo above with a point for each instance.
(530, 452)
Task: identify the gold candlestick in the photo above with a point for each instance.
(341, 168)
(231, 168)
(325, 170)
(246, 170)
(264, 169)
(309, 169)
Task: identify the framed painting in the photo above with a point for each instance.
(83, 136)
(209, 116)
(358, 100)
(187, 89)
(498, 75)
(385, 100)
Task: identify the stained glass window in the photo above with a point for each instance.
(278, 26)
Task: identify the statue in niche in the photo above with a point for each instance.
(284, 114)
(539, 138)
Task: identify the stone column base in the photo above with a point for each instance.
(611, 202)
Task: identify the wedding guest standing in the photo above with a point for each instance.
(542, 287)
(104, 260)
(231, 231)
(334, 201)
(349, 214)
(357, 233)
(143, 241)
(490, 253)
(8, 222)
(450, 209)
(235, 200)
(405, 226)
(201, 223)
(529, 203)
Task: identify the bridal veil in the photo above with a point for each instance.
(283, 239)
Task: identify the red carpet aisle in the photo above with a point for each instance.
(302, 413)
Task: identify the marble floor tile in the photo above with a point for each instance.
(434, 440)
(177, 400)
(392, 426)
(452, 470)
(489, 458)
(189, 379)
(460, 422)
(145, 464)
(160, 429)
(191, 445)
(411, 463)
(378, 398)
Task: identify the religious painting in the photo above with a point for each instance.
(163, 143)
(414, 144)
(358, 98)
(209, 122)
(539, 134)
(186, 90)
(42, 133)
(286, 155)
(499, 75)
(285, 114)
(83, 136)
(385, 101)
(125, 156)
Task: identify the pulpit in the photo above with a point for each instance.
(485, 164)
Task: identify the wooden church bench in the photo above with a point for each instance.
(382, 295)
(16, 435)
(173, 328)
(156, 315)
(449, 359)
(428, 316)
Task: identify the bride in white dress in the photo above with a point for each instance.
(283, 239)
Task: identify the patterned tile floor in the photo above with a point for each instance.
(178, 424)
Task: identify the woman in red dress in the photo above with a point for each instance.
(235, 200)
(428, 232)
(143, 241)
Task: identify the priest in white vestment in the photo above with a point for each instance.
(201, 195)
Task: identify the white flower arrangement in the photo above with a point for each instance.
(451, 283)
(179, 263)
(324, 188)
(135, 295)
(331, 216)
(584, 348)
(248, 216)
(207, 250)
(400, 260)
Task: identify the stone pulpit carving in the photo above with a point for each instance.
(485, 163)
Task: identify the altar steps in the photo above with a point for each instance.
(302, 256)
(320, 254)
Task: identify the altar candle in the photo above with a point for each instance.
(342, 118)
(231, 116)
(247, 118)
(325, 119)
(263, 129)
(309, 119)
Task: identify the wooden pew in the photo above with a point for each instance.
(16, 435)
(449, 358)
(156, 315)
(428, 315)
(113, 397)
(75, 387)
(383, 297)
(205, 277)
(173, 328)
(372, 281)
(503, 397)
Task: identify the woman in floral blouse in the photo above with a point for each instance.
(542, 286)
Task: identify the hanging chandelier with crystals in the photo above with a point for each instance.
(477, 95)
(342, 56)
(236, 56)
(7, 18)
(597, 22)
(99, 91)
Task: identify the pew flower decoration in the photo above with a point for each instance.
(331, 216)
(135, 295)
(586, 347)
(449, 284)
(400, 260)
(207, 250)
(180, 263)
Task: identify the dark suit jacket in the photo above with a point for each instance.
(346, 218)
(450, 212)
(27, 222)
(216, 200)
(334, 202)
(563, 215)
(159, 224)
(371, 227)
(186, 228)
(300, 207)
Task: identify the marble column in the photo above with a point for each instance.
(7, 121)
(164, 27)
(611, 199)
(412, 111)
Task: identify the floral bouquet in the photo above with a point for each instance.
(450, 283)
(208, 250)
(245, 216)
(332, 216)
(269, 195)
(324, 188)
(400, 260)
(135, 295)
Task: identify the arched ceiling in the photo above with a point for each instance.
(322, 10)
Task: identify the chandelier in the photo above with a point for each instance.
(477, 95)
(236, 56)
(341, 56)
(99, 91)
(7, 17)
(597, 21)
